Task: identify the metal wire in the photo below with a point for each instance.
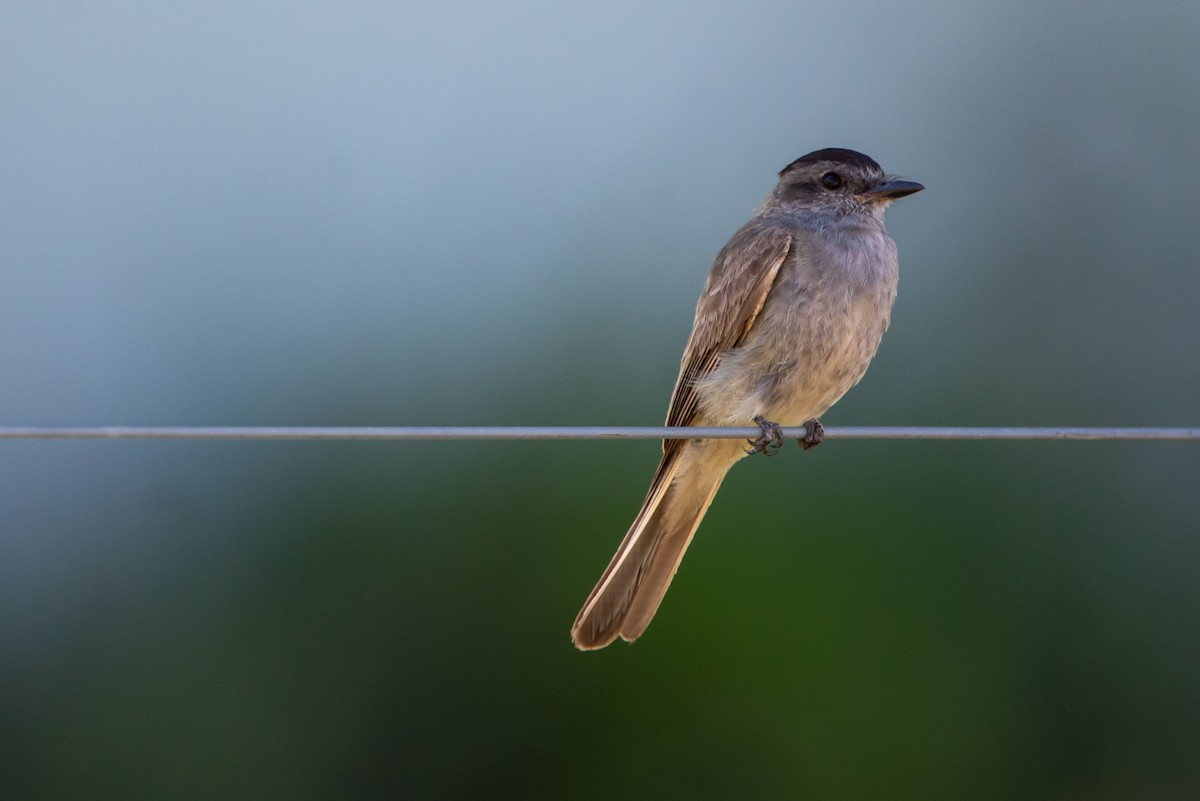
(578, 433)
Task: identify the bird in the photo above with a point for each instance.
(791, 314)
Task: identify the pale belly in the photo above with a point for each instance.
(797, 361)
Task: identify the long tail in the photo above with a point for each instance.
(632, 586)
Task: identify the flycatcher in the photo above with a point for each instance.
(791, 314)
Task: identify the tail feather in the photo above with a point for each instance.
(632, 586)
(675, 535)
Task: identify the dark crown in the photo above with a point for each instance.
(850, 158)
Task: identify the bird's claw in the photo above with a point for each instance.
(814, 434)
(769, 441)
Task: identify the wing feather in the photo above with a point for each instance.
(737, 287)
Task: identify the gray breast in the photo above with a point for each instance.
(817, 333)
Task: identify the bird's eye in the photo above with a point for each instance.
(831, 180)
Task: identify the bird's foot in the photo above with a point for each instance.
(814, 434)
(769, 441)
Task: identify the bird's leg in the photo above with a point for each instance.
(814, 434)
(769, 441)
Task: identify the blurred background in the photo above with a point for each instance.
(469, 213)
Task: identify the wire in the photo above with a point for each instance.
(579, 433)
